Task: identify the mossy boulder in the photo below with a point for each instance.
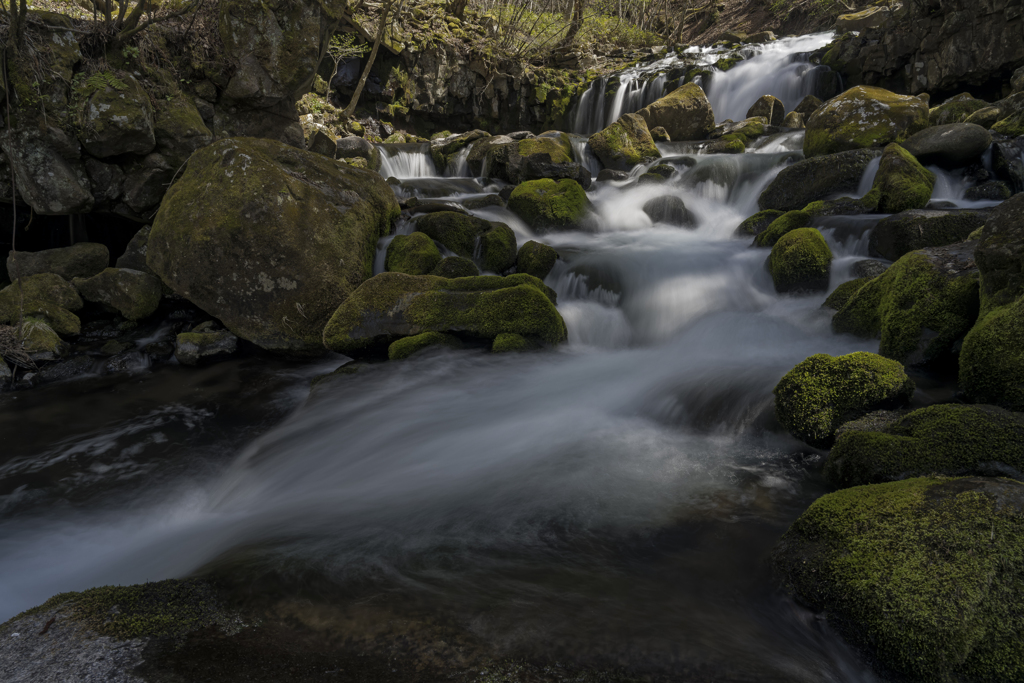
(115, 115)
(952, 440)
(455, 266)
(924, 574)
(758, 223)
(50, 178)
(670, 210)
(444, 149)
(787, 222)
(204, 345)
(179, 129)
(800, 261)
(770, 107)
(955, 110)
(491, 154)
(685, 114)
(353, 149)
(269, 239)
(1000, 255)
(950, 146)
(548, 205)
(863, 117)
(132, 293)
(406, 346)
(536, 259)
(902, 182)
(659, 134)
(794, 119)
(624, 144)
(909, 231)
(843, 293)
(491, 245)
(548, 155)
(920, 308)
(822, 392)
(811, 180)
(40, 341)
(808, 105)
(84, 259)
(508, 341)
(414, 254)
(992, 358)
(394, 305)
(46, 297)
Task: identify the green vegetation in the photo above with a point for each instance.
(405, 347)
(992, 358)
(782, 225)
(414, 254)
(844, 292)
(903, 183)
(548, 204)
(800, 261)
(507, 341)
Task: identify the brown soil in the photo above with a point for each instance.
(752, 16)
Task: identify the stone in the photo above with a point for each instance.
(131, 293)
(1017, 80)
(956, 109)
(322, 143)
(760, 37)
(863, 117)
(872, 17)
(1000, 255)
(83, 259)
(992, 358)
(758, 223)
(823, 392)
(443, 150)
(808, 106)
(921, 573)
(491, 245)
(610, 174)
(134, 257)
(115, 115)
(50, 183)
(902, 183)
(800, 262)
(509, 342)
(671, 210)
(993, 190)
(843, 293)
(815, 179)
(355, 147)
(199, 348)
(536, 259)
(269, 239)
(782, 225)
(455, 266)
(414, 254)
(794, 119)
(659, 134)
(869, 268)
(770, 108)
(549, 205)
(1008, 163)
(45, 297)
(625, 144)
(951, 146)
(394, 305)
(920, 307)
(407, 346)
(919, 228)
(685, 114)
(548, 155)
(179, 130)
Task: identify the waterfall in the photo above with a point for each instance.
(583, 155)
(406, 160)
(458, 165)
(590, 109)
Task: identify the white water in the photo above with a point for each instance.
(407, 160)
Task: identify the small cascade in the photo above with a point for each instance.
(458, 165)
(590, 109)
(783, 142)
(583, 155)
(634, 94)
(868, 179)
(406, 160)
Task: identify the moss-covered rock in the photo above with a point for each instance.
(444, 149)
(625, 144)
(179, 129)
(844, 292)
(132, 293)
(920, 308)
(670, 210)
(204, 345)
(822, 392)
(952, 440)
(536, 259)
(955, 110)
(800, 262)
(548, 205)
(902, 182)
(684, 113)
(394, 305)
(405, 347)
(950, 146)
(769, 107)
(815, 179)
(84, 259)
(992, 359)
(508, 341)
(808, 105)
(650, 179)
(269, 239)
(794, 119)
(1000, 255)
(925, 574)
(659, 134)
(491, 245)
(787, 222)
(414, 254)
(40, 341)
(758, 223)
(46, 297)
(455, 266)
(909, 231)
(115, 115)
(863, 117)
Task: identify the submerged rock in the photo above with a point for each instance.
(625, 144)
(823, 392)
(414, 254)
(685, 114)
(800, 262)
(204, 344)
(863, 117)
(924, 573)
(84, 259)
(548, 205)
(814, 179)
(919, 228)
(671, 210)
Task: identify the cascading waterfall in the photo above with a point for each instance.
(458, 166)
(406, 160)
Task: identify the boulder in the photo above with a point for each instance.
(863, 117)
(650, 179)
(491, 245)
(455, 266)
(843, 293)
(393, 305)
(770, 108)
(992, 358)
(808, 106)
(202, 346)
(1017, 80)
(815, 179)
(146, 183)
(901, 182)
(536, 259)
(684, 113)
(510, 342)
(909, 231)
(49, 176)
(45, 297)
(986, 117)
(443, 150)
(920, 308)
(822, 392)
(872, 17)
(624, 144)
(414, 254)
(794, 119)
(134, 257)
(1000, 255)
(869, 268)
(955, 110)
(610, 174)
(950, 146)
(83, 259)
(548, 155)
(490, 154)
(951, 440)
(800, 262)
(132, 293)
(758, 223)
(355, 147)
(993, 190)
(41, 342)
(1011, 116)
(115, 115)
(179, 129)
(787, 222)
(760, 37)
(548, 205)
(671, 210)
(269, 239)
(323, 143)
(659, 134)
(406, 346)
(923, 573)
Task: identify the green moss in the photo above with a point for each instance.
(863, 117)
(414, 254)
(455, 266)
(925, 573)
(625, 143)
(916, 309)
(838, 298)
(822, 392)
(1011, 126)
(955, 110)
(405, 347)
(557, 149)
(491, 245)
(992, 359)
(507, 341)
(548, 204)
(131, 293)
(952, 440)
(727, 144)
(46, 297)
(39, 338)
(536, 259)
(758, 223)
(785, 223)
(903, 183)
(800, 261)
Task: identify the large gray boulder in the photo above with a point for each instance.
(115, 115)
(48, 170)
(813, 179)
(863, 117)
(951, 146)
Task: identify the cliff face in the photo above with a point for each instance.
(937, 46)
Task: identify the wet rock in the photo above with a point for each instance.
(808, 106)
(115, 115)
(536, 259)
(787, 222)
(902, 183)
(863, 117)
(800, 262)
(132, 293)
(843, 293)
(548, 205)
(407, 346)
(1008, 163)
(659, 134)
(770, 108)
(159, 350)
(310, 230)
(414, 254)
(610, 174)
(127, 361)
(1000, 255)
(179, 129)
(200, 347)
(394, 305)
(64, 370)
(355, 147)
(992, 359)
(685, 114)
(116, 346)
(815, 179)
(823, 392)
(455, 266)
(491, 245)
(878, 561)
(758, 223)
(671, 210)
(919, 228)
(650, 179)
(625, 144)
(955, 110)
(507, 342)
(869, 268)
(993, 190)
(41, 342)
(950, 146)
(45, 297)
(84, 259)
(443, 150)
(794, 119)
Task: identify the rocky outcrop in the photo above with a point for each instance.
(625, 144)
(863, 117)
(685, 114)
